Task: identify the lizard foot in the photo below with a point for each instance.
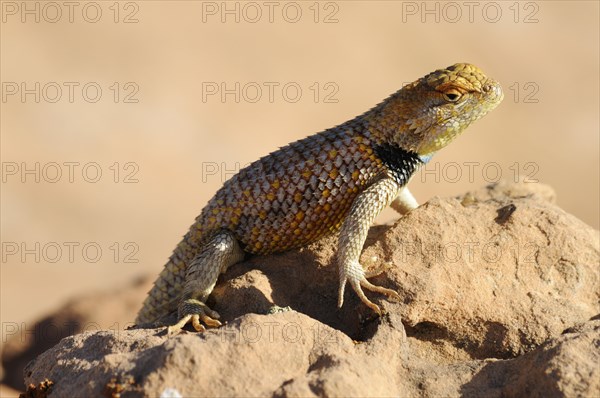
(357, 278)
(377, 268)
(196, 311)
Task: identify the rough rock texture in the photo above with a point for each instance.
(109, 310)
(500, 296)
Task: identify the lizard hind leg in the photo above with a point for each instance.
(215, 256)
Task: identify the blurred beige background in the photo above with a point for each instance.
(157, 155)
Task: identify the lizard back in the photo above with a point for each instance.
(295, 195)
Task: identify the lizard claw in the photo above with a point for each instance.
(358, 279)
(195, 311)
(341, 291)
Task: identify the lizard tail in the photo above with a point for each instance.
(163, 297)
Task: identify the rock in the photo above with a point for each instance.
(112, 310)
(496, 289)
(566, 366)
(504, 189)
(253, 355)
(289, 354)
(489, 282)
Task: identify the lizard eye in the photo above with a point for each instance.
(452, 95)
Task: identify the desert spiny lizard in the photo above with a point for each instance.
(338, 180)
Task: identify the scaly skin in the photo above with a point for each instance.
(336, 180)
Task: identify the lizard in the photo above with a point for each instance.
(335, 181)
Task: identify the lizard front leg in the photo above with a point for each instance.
(403, 203)
(365, 208)
(221, 251)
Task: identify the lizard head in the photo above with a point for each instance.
(424, 116)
